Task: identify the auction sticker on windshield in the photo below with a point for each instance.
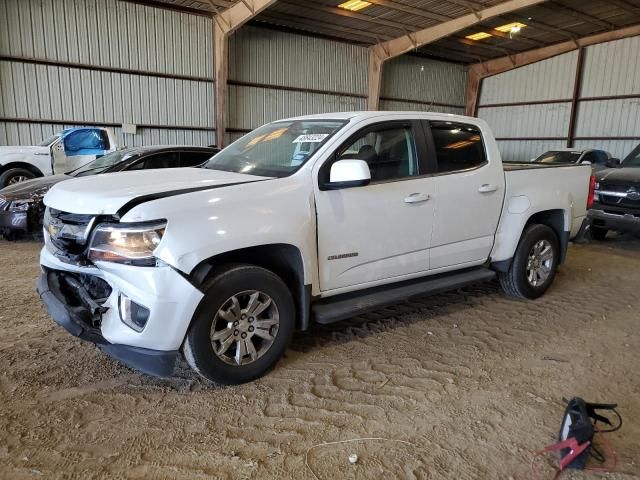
(311, 138)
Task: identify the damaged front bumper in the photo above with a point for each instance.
(85, 301)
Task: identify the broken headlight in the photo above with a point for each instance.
(20, 205)
(128, 244)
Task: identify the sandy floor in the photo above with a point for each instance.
(472, 380)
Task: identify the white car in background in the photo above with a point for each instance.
(598, 159)
(58, 154)
(315, 218)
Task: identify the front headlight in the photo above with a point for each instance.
(20, 205)
(132, 245)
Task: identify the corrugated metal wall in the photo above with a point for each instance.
(104, 62)
(549, 80)
(529, 108)
(611, 69)
(413, 83)
(276, 74)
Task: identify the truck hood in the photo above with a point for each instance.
(106, 194)
(10, 151)
(620, 176)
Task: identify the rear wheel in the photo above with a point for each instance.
(534, 265)
(15, 175)
(598, 233)
(242, 326)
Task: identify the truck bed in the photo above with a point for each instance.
(512, 166)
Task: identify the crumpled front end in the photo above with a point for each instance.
(137, 314)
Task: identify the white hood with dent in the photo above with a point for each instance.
(106, 194)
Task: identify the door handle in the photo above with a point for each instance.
(417, 198)
(487, 188)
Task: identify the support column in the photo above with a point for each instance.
(374, 80)
(577, 86)
(473, 92)
(221, 48)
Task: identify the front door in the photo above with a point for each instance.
(79, 146)
(380, 231)
(468, 191)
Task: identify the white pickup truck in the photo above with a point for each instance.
(316, 218)
(60, 153)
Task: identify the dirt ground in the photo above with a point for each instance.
(464, 385)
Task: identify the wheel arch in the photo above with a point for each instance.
(27, 166)
(283, 259)
(557, 219)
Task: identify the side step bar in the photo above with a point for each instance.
(347, 305)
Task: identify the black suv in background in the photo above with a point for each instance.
(21, 206)
(617, 201)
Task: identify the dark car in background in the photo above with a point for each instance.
(617, 200)
(21, 206)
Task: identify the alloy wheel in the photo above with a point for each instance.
(539, 263)
(245, 327)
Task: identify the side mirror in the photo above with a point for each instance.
(348, 174)
(585, 162)
(614, 163)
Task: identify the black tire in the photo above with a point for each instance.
(598, 233)
(515, 282)
(13, 174)
(198, 347)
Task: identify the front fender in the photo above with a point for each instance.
(202, 225)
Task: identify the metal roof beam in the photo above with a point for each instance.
(380, 53)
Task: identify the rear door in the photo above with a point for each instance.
(380, 231)
(468, 192)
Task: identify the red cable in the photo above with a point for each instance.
(610, 450)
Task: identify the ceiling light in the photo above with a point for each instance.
(513, 27)
(478, 36)
(354, 5)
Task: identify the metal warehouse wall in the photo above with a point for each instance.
(276, 74)
(106, 62)
(103, 62)
(413, 83)
(530, 108)
(609, 110)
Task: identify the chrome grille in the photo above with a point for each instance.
(68, 232)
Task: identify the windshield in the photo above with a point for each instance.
(48, 141)
(277, 149)
(100, 164)
(558, 157)
(633, 159)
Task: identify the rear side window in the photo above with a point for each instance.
(458, 146)
(193, 159)
(162, 160)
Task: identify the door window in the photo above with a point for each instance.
(193, 159)
(85, 142)
(162, 160)
(596, 157)
(389, 152)
(458, 146)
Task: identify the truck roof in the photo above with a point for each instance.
(363, 115)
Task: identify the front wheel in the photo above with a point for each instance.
(242, 326)
(15, 175)
(534, 265)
